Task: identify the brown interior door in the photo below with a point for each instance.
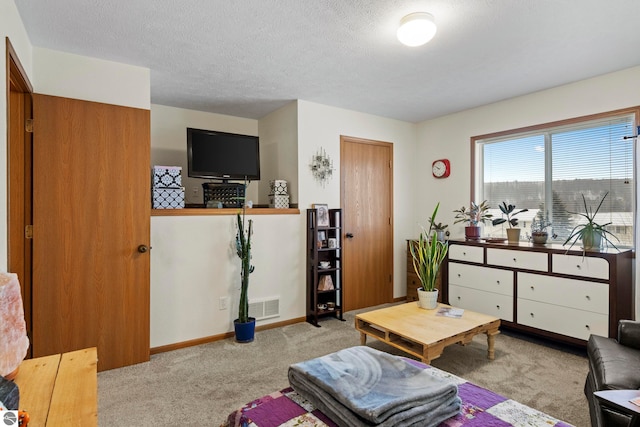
(91, 211)
(19, 195)
(367, 202)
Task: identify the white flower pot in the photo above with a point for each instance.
(427, 300)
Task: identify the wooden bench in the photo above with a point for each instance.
(60, 390)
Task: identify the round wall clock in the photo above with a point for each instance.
(441, 168)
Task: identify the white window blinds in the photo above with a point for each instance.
(548, 171)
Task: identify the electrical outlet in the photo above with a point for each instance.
(195, 191)
(224, 303)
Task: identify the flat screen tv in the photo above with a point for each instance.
(220, 155)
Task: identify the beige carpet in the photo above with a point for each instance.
(201, 385)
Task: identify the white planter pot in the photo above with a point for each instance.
(427, 300)
(592, 242)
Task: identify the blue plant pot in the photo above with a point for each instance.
(245, 331)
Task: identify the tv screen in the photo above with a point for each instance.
(221, 155)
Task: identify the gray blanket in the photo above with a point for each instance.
(361, 386)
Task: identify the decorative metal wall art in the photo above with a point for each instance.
(321, 166)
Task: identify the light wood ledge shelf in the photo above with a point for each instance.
(223, 211)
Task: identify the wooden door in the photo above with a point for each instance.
(91, 205)
(19, 196)
(367, 202)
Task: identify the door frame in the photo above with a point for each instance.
(345, 139)
(19, 98)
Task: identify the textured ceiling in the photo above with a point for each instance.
(247, 58)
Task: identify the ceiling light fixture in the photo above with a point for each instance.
(416, 29)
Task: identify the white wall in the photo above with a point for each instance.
(449, 136)
(194, 263)
(169, 141)
(90, 79)
(10, 26)
(279, 150)
(320, 126)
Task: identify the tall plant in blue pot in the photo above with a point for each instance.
(244, 325)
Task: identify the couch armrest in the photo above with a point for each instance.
(629, 333)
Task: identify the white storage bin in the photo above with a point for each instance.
(168, 198)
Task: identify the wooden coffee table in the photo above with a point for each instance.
(421, 333)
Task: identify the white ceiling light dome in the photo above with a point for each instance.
(416, 29)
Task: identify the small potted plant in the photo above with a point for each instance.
(539, 233)
(513, 232)
(591, 233)
(477, 213)
(428, 253)
(438, 228)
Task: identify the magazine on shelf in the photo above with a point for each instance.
(450, 312)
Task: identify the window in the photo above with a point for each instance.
(546, 169)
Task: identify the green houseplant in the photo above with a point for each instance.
(513, 232)
(244, 325)
(439, 229)
(539, 233)
(476, 214)
(591, 233)
(427, 254)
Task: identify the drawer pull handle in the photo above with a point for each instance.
(498, 282)
(464, 253)
(515, 260)
(458, 274)
(458, 298)
(578, 267)
(588, 298)
(498, 307)
(532, 288)
(587, 326)
(531, 314)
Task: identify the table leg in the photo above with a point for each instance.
(491, 341)
(363, 338)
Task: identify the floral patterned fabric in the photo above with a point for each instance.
(480, 408)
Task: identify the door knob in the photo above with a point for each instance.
(349, 235)
(143, 248)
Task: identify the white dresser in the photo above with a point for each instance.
(542, 289)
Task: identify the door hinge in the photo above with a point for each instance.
(28, 232)
(28, 125)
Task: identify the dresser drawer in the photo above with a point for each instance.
(581, 266)
(500, 306)
(518, 259)
(580, 294)
(466, 253)
(413, 283)
(562, 320)
(482, 278)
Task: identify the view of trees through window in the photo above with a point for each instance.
(548, 171)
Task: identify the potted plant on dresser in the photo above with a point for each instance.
(438, 228)
(590, 232)
(513, 232)
(539, 233)
(427, 254)
(476, 214)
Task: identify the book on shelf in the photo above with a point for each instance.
(450, 312)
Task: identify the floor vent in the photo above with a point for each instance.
(264, 308)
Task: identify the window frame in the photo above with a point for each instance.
(477, 171)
